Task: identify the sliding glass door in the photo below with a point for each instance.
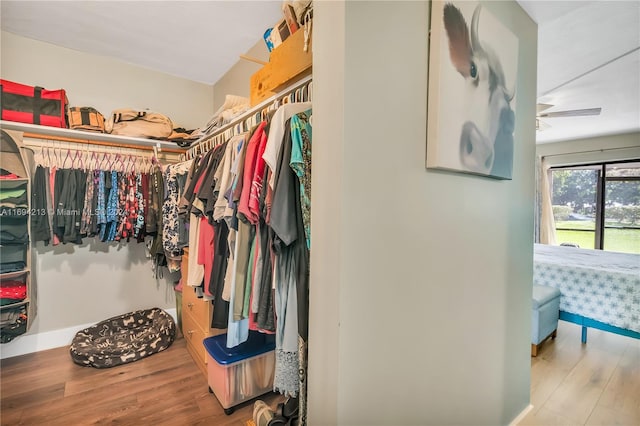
(597, 206)
(622, 208)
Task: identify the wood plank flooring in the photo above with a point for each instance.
(593, 384)
(47, 388)
(571, 384)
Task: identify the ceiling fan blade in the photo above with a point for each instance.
(541, 125)
(572, 113)
(542, 107)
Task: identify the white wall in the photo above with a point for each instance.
(420, 280)
(589, 150)
(104, 83)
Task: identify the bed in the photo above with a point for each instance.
(598, 289)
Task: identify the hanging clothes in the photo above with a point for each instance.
(87, 210)
(105, 200)
(290, 250)
(301, 165)
(174, 233)
(249, 204)
(40, 228)
(278, 127)
(154, 221)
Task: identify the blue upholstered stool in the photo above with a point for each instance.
(544, 315)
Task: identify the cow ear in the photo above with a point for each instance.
(459, 42)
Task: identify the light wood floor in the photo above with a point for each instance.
(593, 384)
(47, 388)
(571, 384)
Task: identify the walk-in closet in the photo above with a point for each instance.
(231, 221)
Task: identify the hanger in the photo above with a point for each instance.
(40, 157)
(74, 159)
(126, 163)
(56, 158)
(109, 159)
(117, 163)
(149, 164)
(131, 167)
(144, 164)
(132, 163)
(93, 159)
(46, 160)
(154, 161)
(66, 158)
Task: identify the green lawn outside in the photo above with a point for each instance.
(576, 224)
(620, 240)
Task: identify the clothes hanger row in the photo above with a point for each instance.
(74, 158)
(249, 120)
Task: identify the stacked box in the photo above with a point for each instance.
(241, 373)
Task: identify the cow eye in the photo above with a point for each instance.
(473, 71)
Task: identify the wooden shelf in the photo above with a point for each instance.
(78, 136)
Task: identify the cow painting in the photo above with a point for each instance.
(475, 109)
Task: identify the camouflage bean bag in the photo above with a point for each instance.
(123, 339)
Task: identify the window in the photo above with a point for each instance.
(597, 206)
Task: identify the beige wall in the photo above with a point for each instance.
(94, 281)
(104, 83)
(236, 80)
(420, 280)
(327, 223)
(79, 285)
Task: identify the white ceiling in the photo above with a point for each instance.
(588, 57)
(196, 40)
(588, 51)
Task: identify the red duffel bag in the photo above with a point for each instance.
(33, 105)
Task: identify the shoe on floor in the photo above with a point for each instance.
(262, 414)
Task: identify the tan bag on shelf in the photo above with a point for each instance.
(139, 124)
(86, 118)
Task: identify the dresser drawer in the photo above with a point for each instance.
(194, 335)
(200, 309)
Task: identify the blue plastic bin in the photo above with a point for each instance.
(241, 373)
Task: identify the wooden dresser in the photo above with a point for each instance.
(196, 318)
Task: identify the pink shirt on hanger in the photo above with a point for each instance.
(249, 169)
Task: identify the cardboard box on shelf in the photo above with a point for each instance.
(287, 64)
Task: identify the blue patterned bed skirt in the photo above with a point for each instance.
(598, 289)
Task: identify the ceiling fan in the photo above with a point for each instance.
(540, 108)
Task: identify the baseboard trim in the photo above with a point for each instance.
(521, 416)
(30, 343)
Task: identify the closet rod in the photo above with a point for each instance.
(278, 96)
(101, 143)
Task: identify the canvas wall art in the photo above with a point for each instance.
(473, 61)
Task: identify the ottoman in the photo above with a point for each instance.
(544, 315)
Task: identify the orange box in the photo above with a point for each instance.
(287, 64)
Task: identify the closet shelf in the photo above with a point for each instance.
(70, 135)
(15, 305)
(13, 183)
(16, 274)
